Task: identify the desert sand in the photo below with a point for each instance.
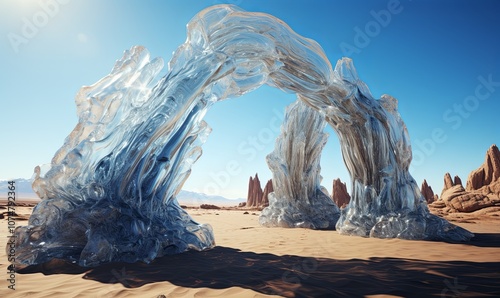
(253, 261)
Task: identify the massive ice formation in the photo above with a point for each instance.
(386, 201)
(298, 199)
(109, 193)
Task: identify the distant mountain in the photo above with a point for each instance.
(24, 191)
(23, 188)
(194, 199)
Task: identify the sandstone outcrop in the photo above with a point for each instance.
(254, 191)
(267, 190)
(488, 173)
(448, 183)
(482, 191)
(339, 194)
(256, 196)
(427, 192)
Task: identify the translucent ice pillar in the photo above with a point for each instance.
(386, 201)
(298, 199)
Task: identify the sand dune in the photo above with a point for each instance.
(253, 261)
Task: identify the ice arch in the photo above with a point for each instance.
(109, 192)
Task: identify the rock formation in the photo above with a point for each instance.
(428, 193)
(487, 173)
(339, 193)
(483, 187)
(449, 183)
(254, 191)
(209, 206)
(267, 190)
(256, 196)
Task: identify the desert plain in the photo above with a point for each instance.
(253, 261)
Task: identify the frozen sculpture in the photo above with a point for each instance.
(109, 192)
(299, 200)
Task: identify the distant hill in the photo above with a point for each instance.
(194, 198)
(24, 191)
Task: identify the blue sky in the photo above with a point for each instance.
(440, 59)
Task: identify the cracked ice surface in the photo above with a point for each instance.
(299, 200)
(109, 192)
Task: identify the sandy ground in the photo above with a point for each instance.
(253, 261)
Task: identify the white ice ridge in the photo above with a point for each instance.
(109, 193)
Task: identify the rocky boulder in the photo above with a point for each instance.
(339, 194)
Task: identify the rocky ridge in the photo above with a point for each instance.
(482, 189)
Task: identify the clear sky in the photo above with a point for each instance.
(440, 59)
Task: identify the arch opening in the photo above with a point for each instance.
(109, 193)
(241, 147)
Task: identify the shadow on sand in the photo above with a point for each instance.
(297, 276)
(485, 240)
